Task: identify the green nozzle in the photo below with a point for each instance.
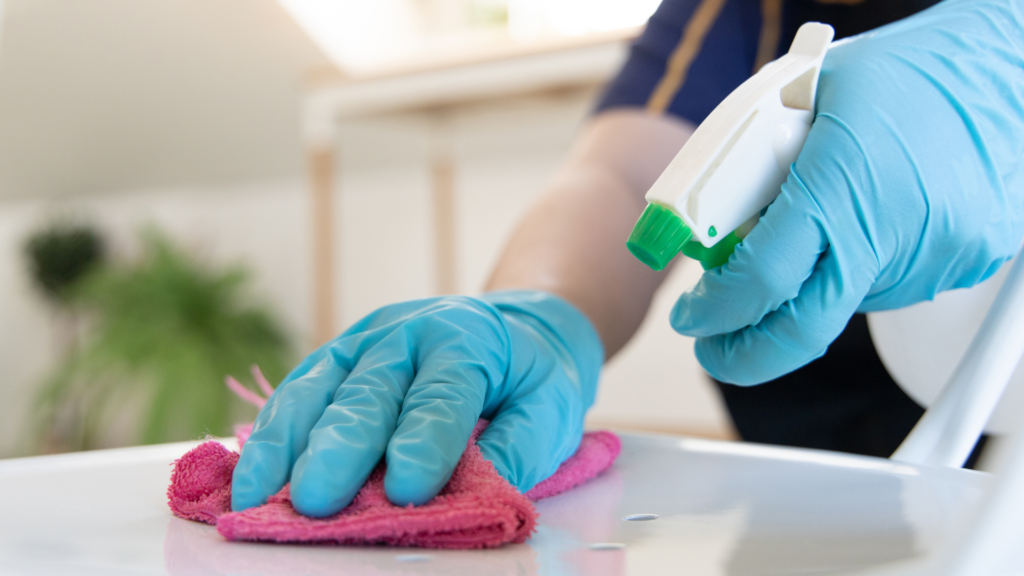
(658, 236)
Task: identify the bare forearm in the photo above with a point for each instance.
(573, 242)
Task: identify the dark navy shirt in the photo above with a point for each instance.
(691, 55)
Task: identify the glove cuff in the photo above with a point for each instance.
(565, 322)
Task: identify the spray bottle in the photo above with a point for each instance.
(733, 166)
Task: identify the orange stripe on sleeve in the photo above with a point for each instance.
(684, 54)
(771, 31)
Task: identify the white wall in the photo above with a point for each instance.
(504, 153)
(103, 95)
(26, 342)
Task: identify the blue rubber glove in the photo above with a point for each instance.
(911, 182)
(408, 383)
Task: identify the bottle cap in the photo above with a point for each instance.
(658, 236)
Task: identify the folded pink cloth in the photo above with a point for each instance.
(476, 509)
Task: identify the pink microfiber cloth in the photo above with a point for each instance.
(476, 509)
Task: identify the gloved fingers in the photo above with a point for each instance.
(353, 430)
(282, 428)
(795, 334)
(766, 270)
(532, 434)
(281, 431)
(438, 415)
(350, 345)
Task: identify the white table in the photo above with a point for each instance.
(725, 508)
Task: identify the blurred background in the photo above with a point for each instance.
(189, 187)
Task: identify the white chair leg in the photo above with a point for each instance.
(951, 426)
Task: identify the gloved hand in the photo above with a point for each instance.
(911, 182)
(408, 382)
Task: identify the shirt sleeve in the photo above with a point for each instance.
(690, 56)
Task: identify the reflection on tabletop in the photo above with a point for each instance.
(193, 549)
(721, 508)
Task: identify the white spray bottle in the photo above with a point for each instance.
(733, 166)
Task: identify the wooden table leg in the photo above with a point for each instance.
(321, 178)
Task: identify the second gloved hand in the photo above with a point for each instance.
(408, 383)
(911, 182)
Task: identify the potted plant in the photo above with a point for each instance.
(160, 334)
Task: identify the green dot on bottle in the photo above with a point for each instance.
(712, 232)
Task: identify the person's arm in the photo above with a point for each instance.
(572, 243)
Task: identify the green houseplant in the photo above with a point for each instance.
(160, 335)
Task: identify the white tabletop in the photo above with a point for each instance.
(723, 507)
